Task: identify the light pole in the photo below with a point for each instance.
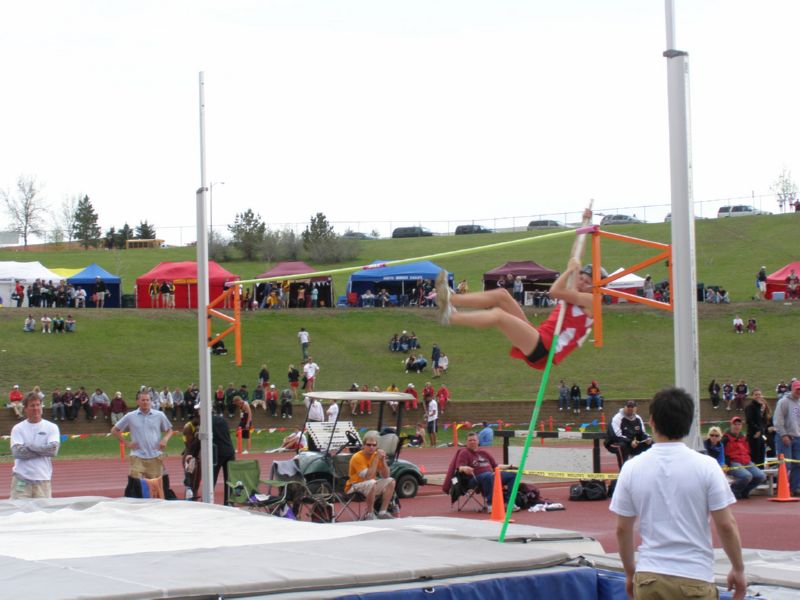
(211, 205)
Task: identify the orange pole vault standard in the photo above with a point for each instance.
(235, 294)
(599, 282)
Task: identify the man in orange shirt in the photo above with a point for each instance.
(365, 467)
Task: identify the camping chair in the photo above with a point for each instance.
(465, 491)
(349, 502)
(389, 443)
(300, 495)
(244, 481)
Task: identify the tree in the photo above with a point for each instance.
(317, 231)
(248, 232)
(785, 189)
(86, 229)
(145, 231)
(27, 208)
(123, 235)
(66, 216)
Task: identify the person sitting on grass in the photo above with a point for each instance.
(30, 325)
(69, 324)
(530, 344)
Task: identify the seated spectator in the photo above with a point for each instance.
(411, 403)
(444, 363)
(415, 363)
(593, 397)
(273, 301)
(15, 398)
(79, 298)
(392, 404)
(443, 397)
(286, 404)
(58, 324)
(101, 404)
(746, 476)
(368, 299)
(723, 297)
(413, 342)
(369, 476)
(383, 298)
(394, 343)
(218, 347)
(486, 435)
(418, 439)
(46, 323)
(30, 325)
(295, 441)
(627, 432)
(57, 406)
(117, 408)
(272, 400)
(405, 344)
(259, 397)
(738, 324)
(478, 465)
(751, 325)
(792, 286)
(713, 445)
(463, 287)
(69, 324)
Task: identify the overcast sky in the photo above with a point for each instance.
(378, 112)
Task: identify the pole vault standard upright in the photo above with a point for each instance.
(684, 292)
(204, 356)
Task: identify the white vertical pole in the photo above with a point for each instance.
(684, 278)
(204, 355)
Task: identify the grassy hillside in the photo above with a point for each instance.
(122, 349)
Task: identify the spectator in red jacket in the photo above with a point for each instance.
(411, 403)
(746, 476)
(15, 401)
(443, 397)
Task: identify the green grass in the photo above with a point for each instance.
(122, 349)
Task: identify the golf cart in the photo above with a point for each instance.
(329, 439)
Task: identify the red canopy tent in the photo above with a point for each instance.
(184, 276)
(777, 281)
(532, 274)
(324, 284)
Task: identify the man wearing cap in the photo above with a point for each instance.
(787, 433)
(411, 403)
(746, 476)
(34, 442)
(761, 282)
(630, 434)
(146, 442)
(15, 398)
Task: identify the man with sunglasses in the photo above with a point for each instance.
(365, 467)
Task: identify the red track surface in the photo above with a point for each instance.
(762, 524)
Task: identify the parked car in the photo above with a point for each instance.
(543, 224)
(619, 220)
(406, 232)
(356, 235)
(739, 210)
(465, 229)
(668, 218)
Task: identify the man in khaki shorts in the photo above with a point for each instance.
(146, 442)
(34, 442)
(366, 466)
(672, 491)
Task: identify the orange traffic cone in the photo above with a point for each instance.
(498, 504)
(238, 440)
(784, 495)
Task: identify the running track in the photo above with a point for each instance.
(762, 524)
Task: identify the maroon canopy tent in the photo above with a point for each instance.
(533, 275)
(324, 284)
(184, 276)
(777, 281)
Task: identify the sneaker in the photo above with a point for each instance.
(443, 306)
(246, 452)
(385, 515)
(515, 508)
(370, 516)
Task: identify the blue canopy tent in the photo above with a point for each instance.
(87, 279)
(397, 279)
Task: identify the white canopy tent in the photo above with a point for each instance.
(26, 272)
(629, 283)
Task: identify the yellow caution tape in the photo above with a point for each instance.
(570, 474)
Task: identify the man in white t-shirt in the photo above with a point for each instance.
(310, 370)
(315, 411)
(333, 411)
(305, 339)
(672, 490)
(433, 418)
(34, 442)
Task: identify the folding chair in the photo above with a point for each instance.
(244, 481)
(390, 444)
(464, 491)
(317, 502)
(349, 501)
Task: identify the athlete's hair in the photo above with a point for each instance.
(672, 411)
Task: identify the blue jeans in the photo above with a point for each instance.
(746, 478)
(594, 400)
(563, 402)
(486, 481)
(791, 451)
